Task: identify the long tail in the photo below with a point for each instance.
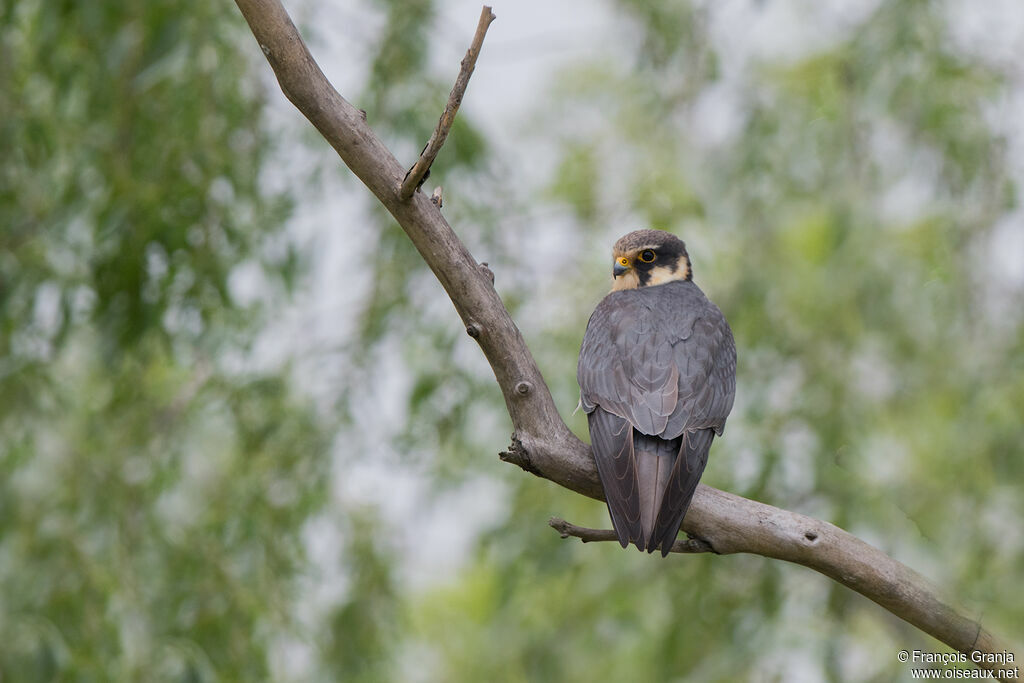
(668, 472)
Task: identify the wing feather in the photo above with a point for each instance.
(611, 438)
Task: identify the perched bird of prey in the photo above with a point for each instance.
(657, 376)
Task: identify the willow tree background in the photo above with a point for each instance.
(171, 505)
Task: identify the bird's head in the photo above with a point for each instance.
(645, 258)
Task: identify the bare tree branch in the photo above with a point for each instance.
(418, 173)
(541, 443)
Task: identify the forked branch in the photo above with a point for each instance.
(418, 173)
(541, 443)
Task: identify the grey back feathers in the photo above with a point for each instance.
(662, 357)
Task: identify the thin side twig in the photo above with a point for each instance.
(419, 171)
(566, 529)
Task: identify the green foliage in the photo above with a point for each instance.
(151, 494)
(364, 631)
(135, 165)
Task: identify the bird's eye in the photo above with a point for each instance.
(647, 255)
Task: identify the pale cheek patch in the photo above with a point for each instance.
(660, 276)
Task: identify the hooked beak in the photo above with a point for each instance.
(618, 269)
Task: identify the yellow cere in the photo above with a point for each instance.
(624, 261)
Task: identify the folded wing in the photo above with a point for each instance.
(657, 379)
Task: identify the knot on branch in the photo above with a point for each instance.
(474, 330)
(518, 455)
(523, 388)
